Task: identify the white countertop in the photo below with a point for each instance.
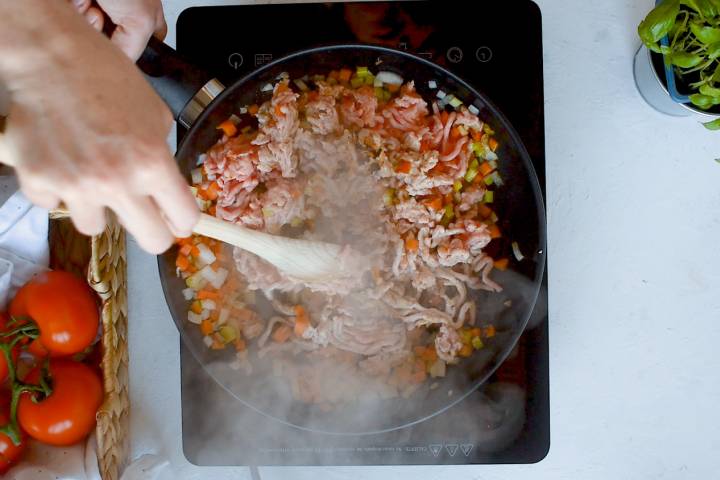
(634, 272)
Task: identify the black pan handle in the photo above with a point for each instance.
(186, 88)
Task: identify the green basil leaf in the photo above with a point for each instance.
(710, 91)
(713, 50)
(658, 22)
(684, 59)
(706, 8)
(701, 101)
(714, 125)
(706, 35)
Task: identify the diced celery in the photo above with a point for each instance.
(478, 149)
(489, 180)
(362, 71)
(449, 212)
(455, 102)
(489, 196)
(369, 79)
(472, 170)
(356, 81)
(228, 333)
(379, 93)
(488, 130)
(389, 196)
(457, 186)
(477, 343)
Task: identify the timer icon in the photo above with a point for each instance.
(454, 54)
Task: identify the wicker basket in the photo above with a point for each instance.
(102, 260)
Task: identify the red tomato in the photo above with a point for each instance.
(64, 308)
(9, 452)
(67, 415)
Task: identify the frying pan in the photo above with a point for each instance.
(200, 103)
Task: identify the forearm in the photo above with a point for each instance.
(34, 35)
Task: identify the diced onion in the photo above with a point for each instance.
(266, 88)
(195, 318)
(516, 251)
(196, 175)
(206, 256)
(208, 341)
(432, 84)
(377, 82)
(204, 314)
(440, 94)
(208, 304)
(201, 159)
(216, 278)
(438, 369)
(243, 110)
(473, 109)
(196, 281)
(391, 78)
(188, 293)
(223, 316)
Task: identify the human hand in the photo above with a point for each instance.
(134, 21)
(93, 134)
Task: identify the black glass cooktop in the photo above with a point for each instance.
(505, 421)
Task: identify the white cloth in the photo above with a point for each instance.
(24, 252)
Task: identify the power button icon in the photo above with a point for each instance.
(483, 54)
(235, 60)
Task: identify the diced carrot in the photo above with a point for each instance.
(344, 75)
(278, 110)
(302, 323)
(455, 133)
(419, 350)
(208, 295)
(449, 198)
(212, 210)
(207, 327)
(196, 307)
(435, 203)
(194, 251)
(493, 144)
(477, 135)
(403, 167)
(299, 310)
(282, 334)
(501, 263)
(240, 345)
(282, 87)
(392, 87)
(418, 377)
(494, 231)
(182, 262)
(212, 191)
(466, 350)
(186, 249)
(228, 127)
(489, 331)
(485, 169)
(217, 344)
(430, 354)
(444, 116)
(253, 109)
(484, 210)
(475, 332)
(333, 74)
(411, 244)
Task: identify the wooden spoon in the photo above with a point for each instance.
(303, 260)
